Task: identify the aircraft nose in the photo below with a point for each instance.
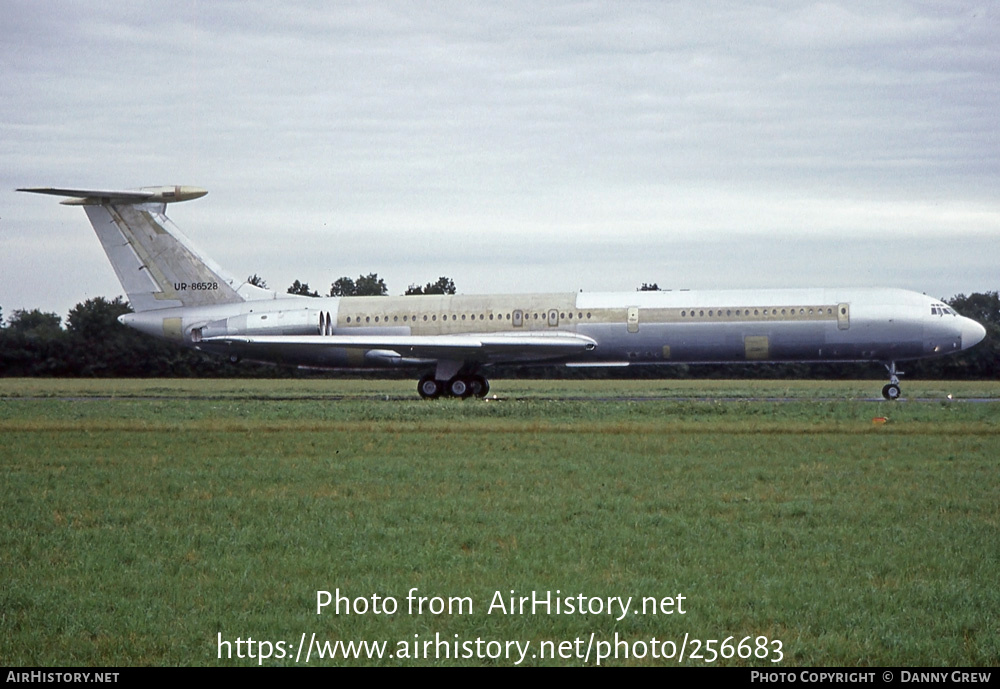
(972, 333)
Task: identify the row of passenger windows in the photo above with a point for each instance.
(719, 313)
(355, 320)
(685, 313)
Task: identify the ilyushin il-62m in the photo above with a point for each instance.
(179, 294)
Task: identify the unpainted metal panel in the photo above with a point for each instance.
(757, 347)
(172, 329)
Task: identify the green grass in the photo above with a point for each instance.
(139, 525)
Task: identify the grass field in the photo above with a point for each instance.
(144, 519)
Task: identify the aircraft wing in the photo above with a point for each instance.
(489, 347)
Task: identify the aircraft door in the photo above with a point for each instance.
(632, 319)
(518, 318)
(553, 318)
(843, 316)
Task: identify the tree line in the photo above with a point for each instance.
(370, 285)
(94, 344)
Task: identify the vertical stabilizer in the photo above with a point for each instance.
(156, 264)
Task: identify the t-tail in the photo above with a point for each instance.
(156, 264)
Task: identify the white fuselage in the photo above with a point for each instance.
(628, 328)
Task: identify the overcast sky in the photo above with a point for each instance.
(512, 146)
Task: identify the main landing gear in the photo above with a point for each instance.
(891, 390)
(462, 386)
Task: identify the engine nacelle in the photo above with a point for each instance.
(293, 322)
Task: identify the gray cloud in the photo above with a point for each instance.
(513, 146)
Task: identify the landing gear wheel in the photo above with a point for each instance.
(459, 387)
(429, 388)
(480, 386)
(890, 391)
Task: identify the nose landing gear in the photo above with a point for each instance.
(891, 390)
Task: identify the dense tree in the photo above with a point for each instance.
(370, 285)
(649, 287)
(302, 288)
(34, 343)
(983, 360)
(983, 307)
(35, 323)
(444, 285)
(343, 287)
(257, 281)
(96, 318)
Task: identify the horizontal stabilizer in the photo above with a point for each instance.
(106, 197)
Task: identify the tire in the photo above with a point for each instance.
(480, 386)
(459, 387)
(891, 392)
(429, 388)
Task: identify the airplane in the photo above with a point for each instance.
(181, 295)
